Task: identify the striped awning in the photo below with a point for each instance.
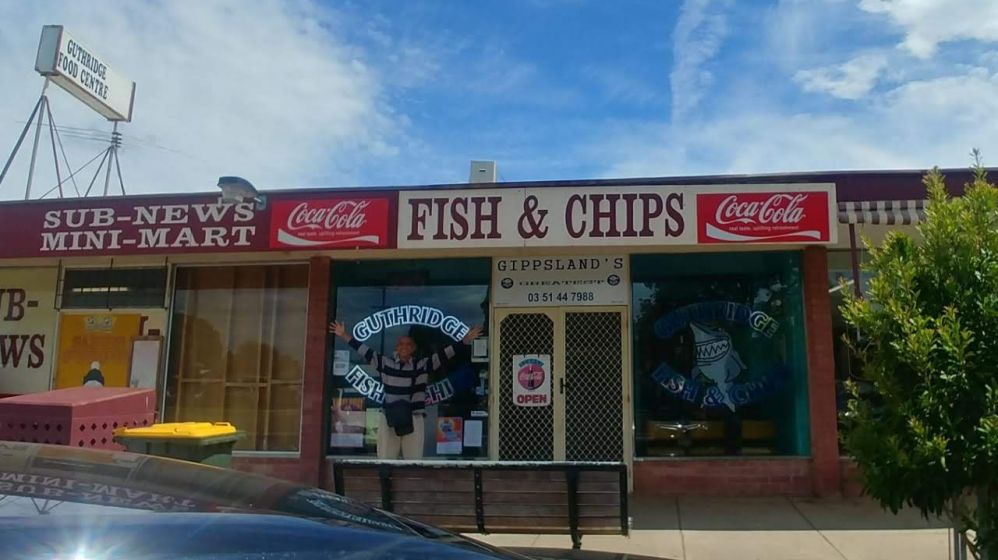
(883, 212)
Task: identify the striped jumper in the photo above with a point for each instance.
(405, 380)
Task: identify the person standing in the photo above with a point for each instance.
(401, 428)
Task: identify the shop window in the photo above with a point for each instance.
(456, 414)
(113, 288)
(237, 346)
(719, 355)
(847, 364)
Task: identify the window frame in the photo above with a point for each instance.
(170, 326)
(65, 303)
(335, 284)
(665, 275)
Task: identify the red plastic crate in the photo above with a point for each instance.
(78, 416)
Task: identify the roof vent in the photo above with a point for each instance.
(482, 172)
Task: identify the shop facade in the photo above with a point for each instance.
(683, 327)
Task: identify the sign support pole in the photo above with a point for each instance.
(17, 145)
(43, 102)
(112, 156)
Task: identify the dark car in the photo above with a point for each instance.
(66, 503)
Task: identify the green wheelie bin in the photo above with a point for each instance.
(208, 443)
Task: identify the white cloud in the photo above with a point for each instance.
(263, 89)
(908, 112)
(915, 126)
(850, 80)
(927, 23)
(699, 33)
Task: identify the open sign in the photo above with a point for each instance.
(532, 379)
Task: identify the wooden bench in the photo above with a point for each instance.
(494, 497)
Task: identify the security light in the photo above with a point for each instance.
(237, 189)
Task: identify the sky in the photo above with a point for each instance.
(386, 93)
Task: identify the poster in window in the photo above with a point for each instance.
(450, 435)
(349, 422)
(95, 349)
(145, 362)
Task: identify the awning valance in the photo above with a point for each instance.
(882, 212)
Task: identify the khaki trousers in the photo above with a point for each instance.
(409, 446)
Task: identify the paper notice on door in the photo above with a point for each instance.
(347, 422)
(473, 433)
(341, 362)
(480, 349)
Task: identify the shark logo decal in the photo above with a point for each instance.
(716, 359)
(717, 378)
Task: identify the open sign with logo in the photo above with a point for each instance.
(532, 379)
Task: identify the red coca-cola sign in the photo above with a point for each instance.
(763, 217)
(331, 222)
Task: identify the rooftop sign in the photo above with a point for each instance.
(84, 74)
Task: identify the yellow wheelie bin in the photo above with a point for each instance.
(208, 443)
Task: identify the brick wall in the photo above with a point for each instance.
(313, 448)
(821, 373)
(852, 485)
(287, 468)
(724, 477)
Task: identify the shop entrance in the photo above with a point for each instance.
(586, 418)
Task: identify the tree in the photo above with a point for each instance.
(928, 339)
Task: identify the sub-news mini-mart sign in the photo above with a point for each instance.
(84, 74)
(193, 224)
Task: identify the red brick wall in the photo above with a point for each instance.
(852, 485)
(288, 468)
(313, 387)
(724, 477)
(821, 373)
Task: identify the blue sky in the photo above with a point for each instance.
(385, 92)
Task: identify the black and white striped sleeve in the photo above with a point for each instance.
(367, 353)
(438, 359)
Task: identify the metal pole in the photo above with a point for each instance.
(854, 258)
(55, 154)
(121, 182)
(113, 154)
(20, 139)
(96, 173)
(960, 551)
(34, 149)
(72, 174)
(984, 496)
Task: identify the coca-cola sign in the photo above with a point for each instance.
(764, 217)
(329, 223)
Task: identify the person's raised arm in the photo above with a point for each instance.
(367, 353)
(438, 359)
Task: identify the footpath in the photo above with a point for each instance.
(694, 528)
